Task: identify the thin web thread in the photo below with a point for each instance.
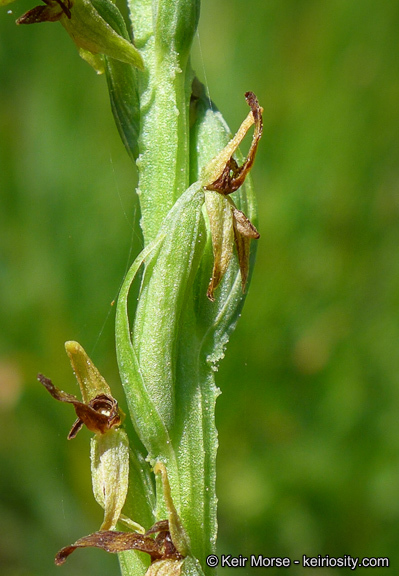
(133, 236)
(204, 71)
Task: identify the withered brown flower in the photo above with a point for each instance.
(228, 224)
(99, 415)
(109, 456)
(99, 410)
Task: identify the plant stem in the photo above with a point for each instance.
(163, 33)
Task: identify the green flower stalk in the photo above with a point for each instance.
(197, 204)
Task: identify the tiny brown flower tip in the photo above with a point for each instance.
(99, 415)
(159, 548)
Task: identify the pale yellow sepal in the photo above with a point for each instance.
(90, 381)
(221, 227)
(109, 456)
(165, 568)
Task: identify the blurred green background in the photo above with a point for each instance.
(309, 416)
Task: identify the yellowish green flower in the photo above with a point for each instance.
(97, 28)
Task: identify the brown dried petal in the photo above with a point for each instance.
(221, 227)
(160, 548)
(244, 231)
(39, 14)
(52, 12)
(112, 541)
(243, 225)
(161, 526)
(243, 247)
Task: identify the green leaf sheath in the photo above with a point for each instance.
(167, 362)
(163, 32)
(170, 395)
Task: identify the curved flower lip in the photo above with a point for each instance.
(99, 415)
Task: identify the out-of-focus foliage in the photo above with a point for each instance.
(308, 420)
